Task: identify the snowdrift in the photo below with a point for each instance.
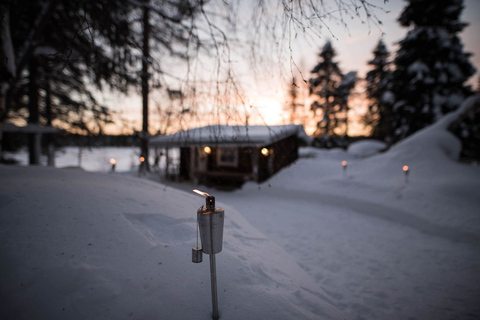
(381, 245)
(77, 245)
(439, 193)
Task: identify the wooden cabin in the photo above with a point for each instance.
(228, 156)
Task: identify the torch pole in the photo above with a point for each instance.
(213, 275)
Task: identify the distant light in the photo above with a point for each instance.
(405, 168)
(265, 151)
(142, 159)
(344, 163)
(112, 161)
(207, 150)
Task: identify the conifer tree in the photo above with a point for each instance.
(431, 66)
(342, 93)
(379, 93)
(326, 78)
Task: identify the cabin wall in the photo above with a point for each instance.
(244, 164)
(281, 154)
(204, 168)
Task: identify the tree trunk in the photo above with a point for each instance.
(7, 64)
(49, 117)
(33, 117)
(145, 87)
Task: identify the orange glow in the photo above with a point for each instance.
(207, 150)
(344, 163)
(142, 159)
(112, 161)
(265, 152)
(405, 168)
(200, 192)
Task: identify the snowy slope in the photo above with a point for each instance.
(77, 245)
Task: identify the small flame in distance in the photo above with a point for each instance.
(344, 163)
(200, 192)
(405, 168)
(112, 161)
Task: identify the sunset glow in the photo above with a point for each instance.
(270, 110)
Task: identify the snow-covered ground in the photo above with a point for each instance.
(83, 245)
(381, 245)
(78, 245)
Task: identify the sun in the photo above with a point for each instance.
(270, 109)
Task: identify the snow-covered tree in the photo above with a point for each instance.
(332, 89)
(378, 90)
(431, 66)
(326, 78)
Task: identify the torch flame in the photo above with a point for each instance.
(112, 161)
(344, 163)
(200, 192)
(142, 159)
(405, 168)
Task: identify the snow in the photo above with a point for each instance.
(366, 148)
(388, 97)
(79, 245)
(374, 242)
(382, 246)
(419, 69)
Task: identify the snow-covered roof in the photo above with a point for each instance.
(226, 135)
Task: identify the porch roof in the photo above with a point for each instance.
(225, 135)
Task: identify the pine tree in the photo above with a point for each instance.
(342, 93)
(379, 93)
(327, 77)
(431, 66)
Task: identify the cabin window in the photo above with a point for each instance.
(227, 157)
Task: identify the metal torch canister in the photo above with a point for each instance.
(211, 221)
(197, 255)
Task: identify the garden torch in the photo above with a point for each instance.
(210, 221)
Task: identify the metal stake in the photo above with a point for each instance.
(213, 276)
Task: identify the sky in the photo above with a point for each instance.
(265, 84)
